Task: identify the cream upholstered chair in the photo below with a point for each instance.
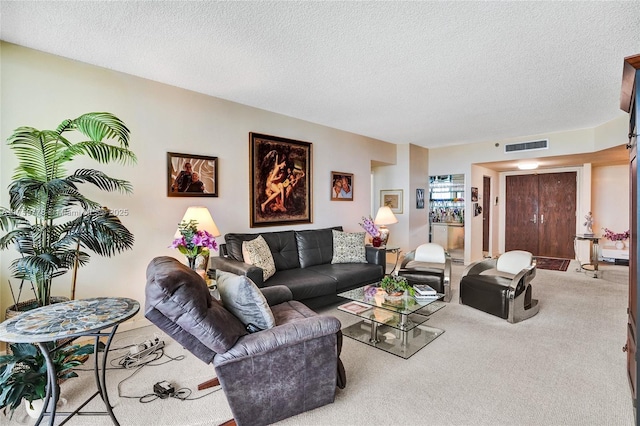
(502, 286)
(428, 264)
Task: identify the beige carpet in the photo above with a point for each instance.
(562, 367)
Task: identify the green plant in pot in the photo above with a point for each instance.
(23, 372)
(50, 221)
(396, 285)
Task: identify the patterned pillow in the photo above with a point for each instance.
(256, 252)
(244, 299)
(348, 247)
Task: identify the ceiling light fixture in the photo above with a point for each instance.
(528, 166)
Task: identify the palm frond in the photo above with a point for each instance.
(36, 152)
(11, 220)
(103, 233)
(99, 151)
(101, 180)
(99, 126)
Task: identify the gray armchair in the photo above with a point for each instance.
(428, 264)
(267, 375)
(502, 286)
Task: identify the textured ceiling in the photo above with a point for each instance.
(428, 73)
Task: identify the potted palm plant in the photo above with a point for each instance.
(49, 221)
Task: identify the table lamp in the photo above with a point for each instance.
(385, 217)
(204, 222)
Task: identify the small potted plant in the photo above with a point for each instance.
(23, 373)
(395, 286)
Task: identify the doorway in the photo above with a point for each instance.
(446, 213)
(486, 205)
(541, 213)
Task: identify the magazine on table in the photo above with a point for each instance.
(424, 290)
(354, 307)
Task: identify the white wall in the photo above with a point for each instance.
(41, 90)
(610, 199)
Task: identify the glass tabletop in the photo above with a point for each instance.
(374, 296)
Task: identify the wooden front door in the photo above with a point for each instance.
(541, 214)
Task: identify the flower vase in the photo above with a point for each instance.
(192, 262)
(376, 241)
(619, 245)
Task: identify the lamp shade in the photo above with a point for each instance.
(201, 215)
(385, 216)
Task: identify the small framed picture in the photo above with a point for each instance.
(474, 194)
(392, 198)
(420, 198)
(190, 175)
(341, 186)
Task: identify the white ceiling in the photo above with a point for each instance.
(427, 73)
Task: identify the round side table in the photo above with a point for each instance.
(70, 320)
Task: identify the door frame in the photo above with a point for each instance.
(502, 196)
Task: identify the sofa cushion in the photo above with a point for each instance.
(349, 275)
(180, 295)
(282, 245)
(256, 252)
(348, 247)
(303, 283)
(315, 246)
(243, 299)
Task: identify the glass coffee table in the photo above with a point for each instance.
(393, 325)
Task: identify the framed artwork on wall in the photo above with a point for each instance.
(190, 175)
(474, 194)
(392, 198)
(279, 180)
(420, 198)
(341, 186)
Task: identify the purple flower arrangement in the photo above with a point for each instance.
(371, 228)
(193, 242)
(610, 235)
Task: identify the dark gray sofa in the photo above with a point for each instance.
(303, 263)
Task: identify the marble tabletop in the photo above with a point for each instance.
(67, 319)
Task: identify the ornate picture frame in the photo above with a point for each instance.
(392, 198)
(279, 181)
(341, 186)
(183, 168)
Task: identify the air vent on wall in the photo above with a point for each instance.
(526, 146)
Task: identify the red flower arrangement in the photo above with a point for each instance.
(610, 235)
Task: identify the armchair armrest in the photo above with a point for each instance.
(280, 336)
(252, 272)
(376, 256)
(480, 266)
(523, 277)
(409, 257)
(277, 294)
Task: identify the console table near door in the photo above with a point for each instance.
(68, 321)
(592, 266)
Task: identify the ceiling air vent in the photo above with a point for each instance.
(526, 146)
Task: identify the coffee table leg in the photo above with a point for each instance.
(374, 333)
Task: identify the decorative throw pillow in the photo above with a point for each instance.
(244, 299)
(348, 247)
(256, 252)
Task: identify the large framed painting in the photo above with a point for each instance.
(341, 186)
(280, 180)
(392, 198)
(190, 175)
